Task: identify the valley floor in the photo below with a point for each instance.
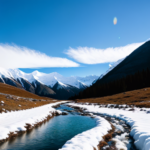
(21, 110)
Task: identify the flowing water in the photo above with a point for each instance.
(53, 134)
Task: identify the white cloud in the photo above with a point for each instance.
(12, 56)
(90, 55)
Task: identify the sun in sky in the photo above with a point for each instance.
(115, 21)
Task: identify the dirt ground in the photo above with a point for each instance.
(19, 99)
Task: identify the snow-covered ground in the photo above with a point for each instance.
(138, 120)
(89, 139)
(16, 120)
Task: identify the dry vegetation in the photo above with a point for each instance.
(14, 103)
(140, 98)
(8, 89)
(106, 138)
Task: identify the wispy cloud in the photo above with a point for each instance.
(90, 55)
(13, 56)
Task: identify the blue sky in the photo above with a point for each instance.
(63, 28)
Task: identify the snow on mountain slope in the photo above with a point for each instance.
(52, 78)
(16, 74)
(4, 72)
(61, 85)
(87, 80)
(47, 79)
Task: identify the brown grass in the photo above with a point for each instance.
(8, 89)
(102, 144)
(140, 98)
(106, 138)
(13, 103)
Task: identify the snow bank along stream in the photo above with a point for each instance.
(19, 121)
(138, 119)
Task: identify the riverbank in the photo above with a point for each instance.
(16, 122)
(136, 118)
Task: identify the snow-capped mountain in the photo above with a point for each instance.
(45, 84)
(48, 79)
(88, 80)
(65, 91)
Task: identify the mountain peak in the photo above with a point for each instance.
(37, 73)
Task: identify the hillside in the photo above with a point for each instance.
(13, 98)
(140, 98)
(8, 89)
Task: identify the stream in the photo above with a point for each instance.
(53, 134)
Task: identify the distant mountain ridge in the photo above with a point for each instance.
(51, 85)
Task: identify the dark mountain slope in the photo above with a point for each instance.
(26, 85)
(65, 91)
(138, 60)
(11, 81)
(43, 90)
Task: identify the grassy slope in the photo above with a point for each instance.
(8, 89)
(139, 98)
(13, 104)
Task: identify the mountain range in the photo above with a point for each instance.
(55, 85)
(52, 85)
